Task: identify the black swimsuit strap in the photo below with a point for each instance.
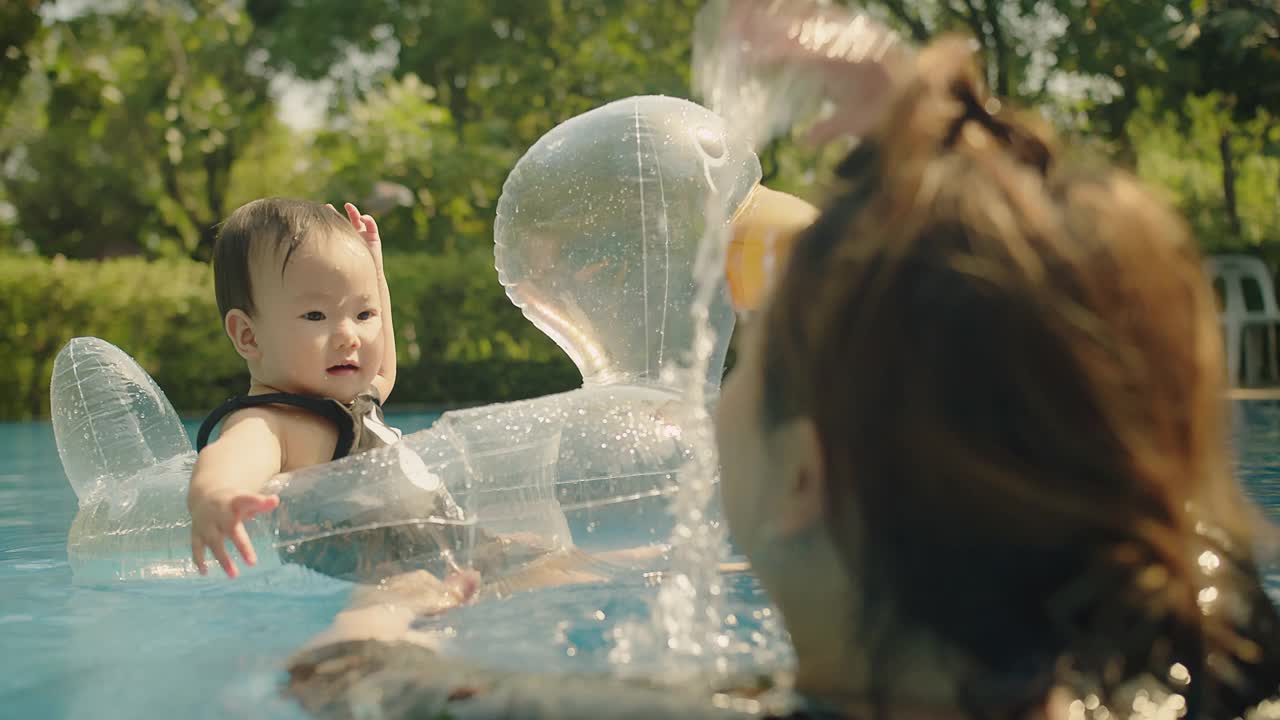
(327, 409)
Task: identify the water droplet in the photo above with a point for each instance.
(1209, 561)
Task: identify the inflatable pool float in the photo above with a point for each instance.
(597, 229)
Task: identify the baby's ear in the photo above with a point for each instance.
(239, 328)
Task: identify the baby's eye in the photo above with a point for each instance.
(314, 315)
(366, 315)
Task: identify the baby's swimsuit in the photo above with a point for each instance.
(360, 537)
(360, 424)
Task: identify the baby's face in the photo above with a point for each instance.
(319, 325)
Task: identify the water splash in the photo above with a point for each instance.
(759, 98)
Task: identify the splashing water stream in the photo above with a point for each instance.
(758, 101)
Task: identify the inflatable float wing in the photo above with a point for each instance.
(127, 457)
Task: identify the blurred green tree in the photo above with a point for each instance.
(133, 119)
(20, 27)
(1116, 69)
(136, 129)
(399, 154)
(467, 86)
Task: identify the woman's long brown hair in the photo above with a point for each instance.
(1016, 373)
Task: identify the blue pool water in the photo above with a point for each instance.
(214, 649)
(208, 649)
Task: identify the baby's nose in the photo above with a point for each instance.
(346, 336)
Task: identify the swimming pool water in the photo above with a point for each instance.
(200, 649)
(214, 649)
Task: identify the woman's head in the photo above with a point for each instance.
(1010, 374)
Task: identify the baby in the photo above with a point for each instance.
(304, 300)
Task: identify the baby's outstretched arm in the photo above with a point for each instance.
(368, 229)
(226, 487)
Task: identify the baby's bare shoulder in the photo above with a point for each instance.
(308, 438)
(305, 438)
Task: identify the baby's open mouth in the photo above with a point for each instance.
(343, 369)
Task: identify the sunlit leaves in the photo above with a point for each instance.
(1179, 149)
(145, 109)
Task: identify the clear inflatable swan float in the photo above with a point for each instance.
(597, 230)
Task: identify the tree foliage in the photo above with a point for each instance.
(472, 84)
(132, 121)
(1202, 75)
(134, 127)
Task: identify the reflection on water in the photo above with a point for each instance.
(1256, 441)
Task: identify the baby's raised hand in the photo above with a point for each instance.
(219, 516)
(368, 229)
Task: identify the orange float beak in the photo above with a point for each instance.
(763, 232)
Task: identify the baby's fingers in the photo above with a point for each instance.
(248, 505)
(354, 215)
(219, 549)
(241, 540)
(197, 553)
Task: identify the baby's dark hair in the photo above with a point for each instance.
(277, 226)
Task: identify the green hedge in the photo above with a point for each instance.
(459, 340)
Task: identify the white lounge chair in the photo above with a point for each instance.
(1231, 274)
